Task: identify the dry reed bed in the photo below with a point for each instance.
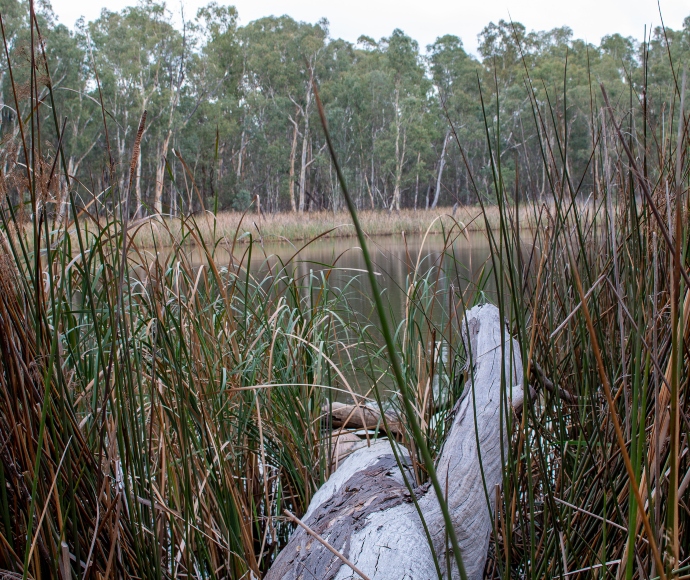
(295, 227)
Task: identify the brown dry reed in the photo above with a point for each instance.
(157, 416)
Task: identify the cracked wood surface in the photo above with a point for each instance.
(365, 511)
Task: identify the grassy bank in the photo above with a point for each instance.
(298, 227)
(173, 409)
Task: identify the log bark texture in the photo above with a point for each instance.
(366, 512)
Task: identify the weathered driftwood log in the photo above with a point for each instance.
(343, 444)
(365, 512)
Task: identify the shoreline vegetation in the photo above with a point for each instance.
(162, 411)
(293, 227)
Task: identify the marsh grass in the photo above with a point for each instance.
(189, 420)
(292, 227)
(597, 473)
(178, 405)
(158, 415)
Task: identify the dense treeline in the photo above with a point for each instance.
(232, 115)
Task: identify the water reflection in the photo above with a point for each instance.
(444, 268)
(457, 265)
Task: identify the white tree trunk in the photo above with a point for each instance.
(160, 174)
(137, 191)
(238, 172)
(442, 164)
(399, 159)
(63, 201)
(293, 153)
(364, 510)
(305, 143)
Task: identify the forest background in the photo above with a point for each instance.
(232, 115)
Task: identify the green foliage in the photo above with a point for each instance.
(161, 405)
(230, 107)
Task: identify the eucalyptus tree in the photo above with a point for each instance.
(410, 88)
(141, 61)
(58, 65)
(210, 113)
(15, 22)
(455, 76)
(547, 73)
(17, 38)
(665, 45)
(386, 96)
(14, 19)
(281, 58)
(340, 94)
(359, 110)
(77, 111)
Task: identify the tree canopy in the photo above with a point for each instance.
(232, 115)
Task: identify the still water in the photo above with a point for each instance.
(451, 266)
(447, 267)
(459, 264)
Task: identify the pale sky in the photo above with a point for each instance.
(426, 20)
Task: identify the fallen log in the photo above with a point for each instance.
(366, 513)
(361, 417)
(344, 444)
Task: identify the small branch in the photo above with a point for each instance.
(547, 383)
(326, 545)
(566, 575)
(595, 516)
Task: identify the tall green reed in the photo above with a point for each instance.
(162, 405)
(597, 295)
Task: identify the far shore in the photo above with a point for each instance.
(291, 227)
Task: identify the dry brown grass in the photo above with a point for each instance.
(292, 227)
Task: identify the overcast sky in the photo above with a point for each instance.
(425, 20)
